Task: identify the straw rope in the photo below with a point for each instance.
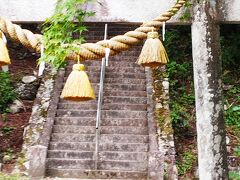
(92, 50)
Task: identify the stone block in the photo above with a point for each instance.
(37, 160)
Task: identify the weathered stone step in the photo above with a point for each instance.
(69, 154)
(105, 138)
(105, 113)
(127, 100)
(102, 165)
(125, 93)
(116, 87)
(73, 129)
(123, 165)
(119, 75)
(119, 90)
(113, 62)
(115, 80)
(86, 121)
(114, 75)
(90, 69)
(103, 130)
(72, 137)
(106, 106)
(61, 163)
(102, 156)
(79, 106)
(114, 93)
(109, 156)
(96, 174)
(84, 146)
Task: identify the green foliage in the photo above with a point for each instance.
(7, 130)
(60, 29)
(8, 155)
(230, 51)
(12, 177)
(4, 117)
(234, 175)
(232, 116)
(179, 71)
(180, 114)
(7, 92)
(237, 151)
(187, 14)
(186, 163)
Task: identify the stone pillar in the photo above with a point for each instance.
(212, 158)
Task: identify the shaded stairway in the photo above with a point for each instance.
(124, 140)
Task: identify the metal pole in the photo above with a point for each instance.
(100, 101)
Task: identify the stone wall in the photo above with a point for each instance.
(36, 135)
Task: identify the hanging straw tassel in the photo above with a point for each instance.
(153, 53)
(4, 56)
(78, 86)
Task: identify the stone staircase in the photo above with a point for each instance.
(124, 133)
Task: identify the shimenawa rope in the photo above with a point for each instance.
(90, 51)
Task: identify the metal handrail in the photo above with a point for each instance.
(99, 107)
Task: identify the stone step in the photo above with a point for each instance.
(85, 146)
(79, 106)
(86, 121)
(105, 106)
(115, 80)
(90, 69)
(69, 154)
(72, 137)
(115, 100)
(117, 75)
(103, 130)
(62, 163)
(118, 60)
(102, 165)
(130, 98)
(114, 93)
(125, 93)
(96, 174)
(123, 156)
(116, 87)
(114, 75)
(115, 90)
(104, 138)
(113, 62)
(102, 156)
(105, 113)
(125, 100)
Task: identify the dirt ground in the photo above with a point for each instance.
(23, 63)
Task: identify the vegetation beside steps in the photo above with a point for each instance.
(182, 101)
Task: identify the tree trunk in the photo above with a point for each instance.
(212, 157)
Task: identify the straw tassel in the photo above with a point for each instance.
(78, 86)
(153, 53)
(4, 56)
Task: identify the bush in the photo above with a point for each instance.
(7, 92)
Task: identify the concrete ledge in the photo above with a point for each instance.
(107, 10)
